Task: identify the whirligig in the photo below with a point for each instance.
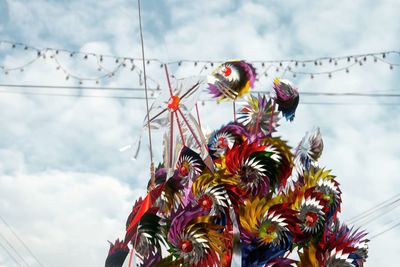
(243, 197)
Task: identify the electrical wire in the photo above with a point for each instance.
(369, 211)
(21, 241)
(10, 255)
(203, 100)
(159, 89)
(385, 231)
(13, 249)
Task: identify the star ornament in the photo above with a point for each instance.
(172, 110)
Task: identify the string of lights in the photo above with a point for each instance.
(306, 67)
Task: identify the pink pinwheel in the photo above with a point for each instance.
(173, 111)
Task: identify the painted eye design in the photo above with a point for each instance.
(227, 71)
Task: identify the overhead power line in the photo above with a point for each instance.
(21, 241)
(385, 231)
(203, 100)
(13, 249)
(10, 255)
(374, 209)
(136, 89)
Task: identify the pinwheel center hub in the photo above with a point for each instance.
(227, 71)
(173, 102)
(184, 170)
(222, 142)
(267, 232)
(311, 218)
(205, 202)
(186, 246)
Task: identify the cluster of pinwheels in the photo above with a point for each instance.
(241, 196)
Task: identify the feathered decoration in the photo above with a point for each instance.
(117, 254)
(310, 149)
(241, 197)
(232, 79)
(258, 116)
(196, 239)
(255, 165)
(287, 98)
(342, 247)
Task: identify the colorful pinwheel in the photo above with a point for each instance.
(242, 197)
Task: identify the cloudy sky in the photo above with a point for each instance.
(65, 188)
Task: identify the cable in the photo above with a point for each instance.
(159, 89)
(21, 241)
(10, 255)
(13, 249)
(374, 208)
(152, 173)
(378, 213)
(385, 231)
(203, 100)
(77, 87)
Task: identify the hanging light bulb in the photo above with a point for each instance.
(195, 63)
(312, 76)
(330, 75)
(347, 70)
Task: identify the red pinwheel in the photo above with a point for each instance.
(173, 111)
